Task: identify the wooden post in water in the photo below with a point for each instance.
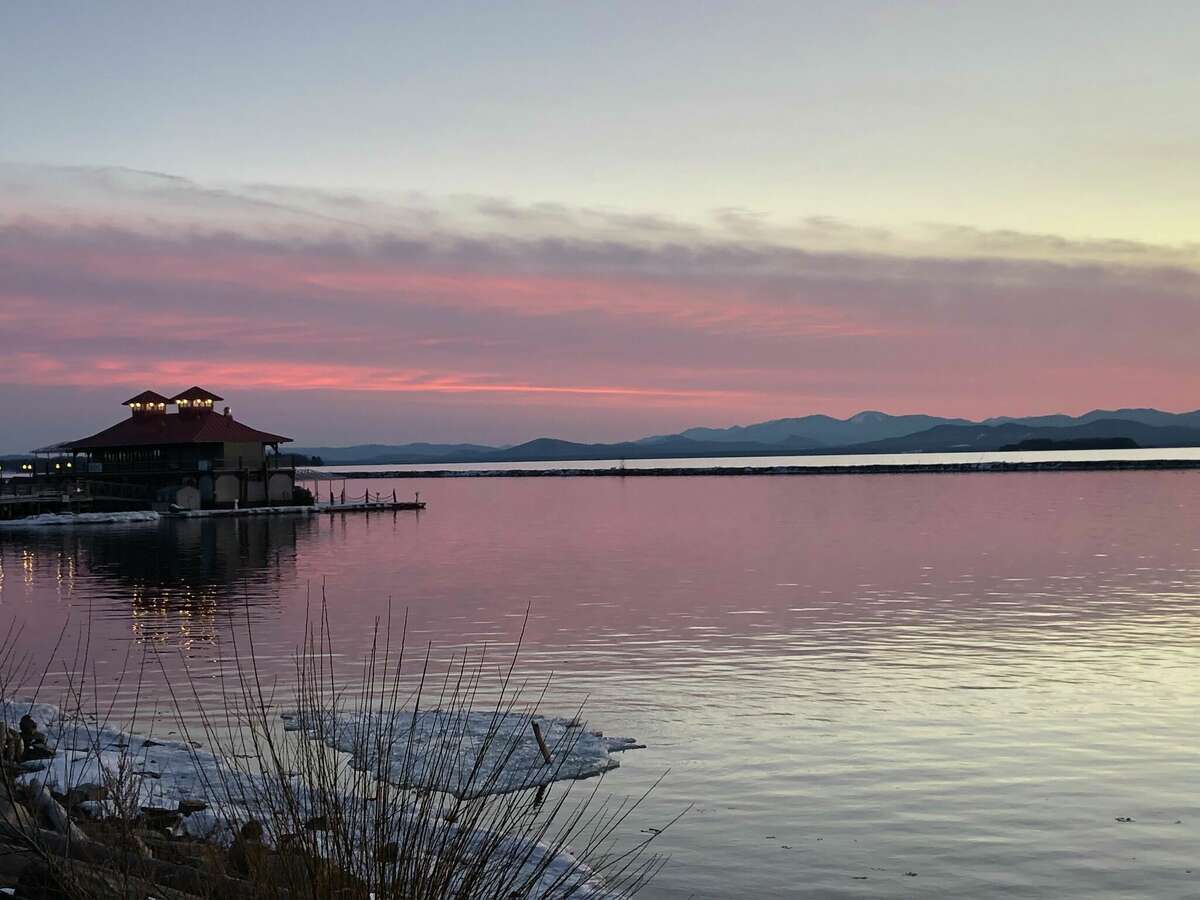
(541, 741)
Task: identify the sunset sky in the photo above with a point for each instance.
(595, 221)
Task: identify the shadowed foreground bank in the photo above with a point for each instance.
(402, 785)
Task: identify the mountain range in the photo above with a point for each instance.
(867, 432)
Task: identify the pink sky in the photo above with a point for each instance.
(495, 323)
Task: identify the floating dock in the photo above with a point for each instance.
(347, 507)
(34, 506)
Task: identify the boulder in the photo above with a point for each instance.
(15, 819)
(33, 740)
(85, 793)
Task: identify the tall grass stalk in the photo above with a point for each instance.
(401, 783)
(424, 805)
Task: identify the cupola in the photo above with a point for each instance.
(195, 400)
(147, 403)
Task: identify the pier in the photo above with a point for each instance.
(370, 501)
(94, 501)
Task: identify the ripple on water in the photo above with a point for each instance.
(968, 678)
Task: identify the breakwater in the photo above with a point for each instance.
(1098, 465)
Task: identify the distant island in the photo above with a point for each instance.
(867, 432)
(1076, 444)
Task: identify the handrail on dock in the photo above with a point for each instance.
(368, 498)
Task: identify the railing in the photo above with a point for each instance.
(175, 466)
(41, 495)
(368, 497)
(73, 490)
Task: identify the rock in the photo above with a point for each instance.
(133, 843)
(15, 819)
(86, 793)
(34, 740)
(248, 854)
(187, 807)
(12, 748)
(251, 831)
(154, 817)
(388, 853)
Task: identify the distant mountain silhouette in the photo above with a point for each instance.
(1145, 416)
(867, 432)
(982, 438)
(1119, 443)
(824, 430)
(550, 449)
(368, 454)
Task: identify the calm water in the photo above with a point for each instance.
(965, 677)
(809, 461)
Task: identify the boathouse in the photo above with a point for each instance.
(192, 457)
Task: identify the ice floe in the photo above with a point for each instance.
(147, 773)
(150, 773)
(492, 753)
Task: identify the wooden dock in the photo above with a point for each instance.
(350, 506)
(369, 506)
(21, 499)
(338, 501)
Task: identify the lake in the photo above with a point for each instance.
(866, 686)
(806, 461)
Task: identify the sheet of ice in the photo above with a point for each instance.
(60, 520)
(146, 772)
(491, 753)
(159, 774)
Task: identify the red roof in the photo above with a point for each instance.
(195, 393)
(146, 397)
(173, 428)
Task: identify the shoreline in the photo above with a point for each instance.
(1100, 465)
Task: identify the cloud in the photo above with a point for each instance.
(119, 277)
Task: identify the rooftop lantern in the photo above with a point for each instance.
(147, 403)
(195, 400)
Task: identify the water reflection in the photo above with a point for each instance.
(967, 677)
(175, 583)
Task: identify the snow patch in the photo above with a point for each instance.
(60, 520)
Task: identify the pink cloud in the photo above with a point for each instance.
(714, 330)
